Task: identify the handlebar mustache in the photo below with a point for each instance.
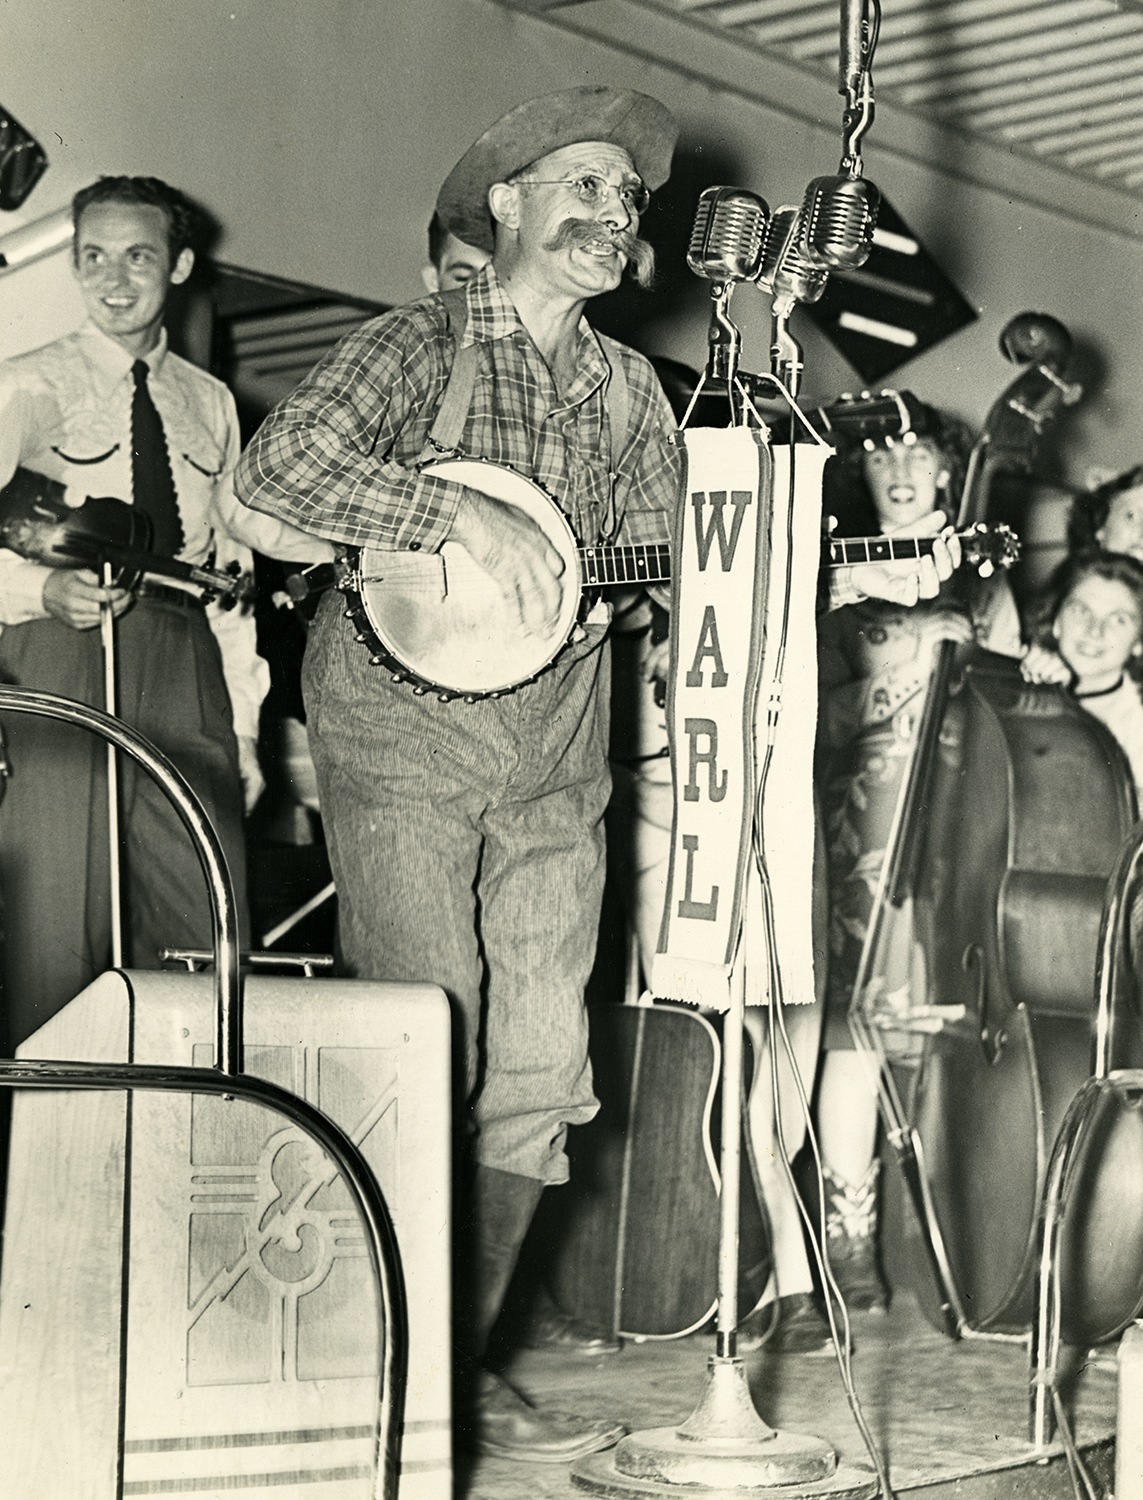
(640, 255)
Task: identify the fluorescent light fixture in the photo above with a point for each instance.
(895, 242)
(33, 241)
(886, 332)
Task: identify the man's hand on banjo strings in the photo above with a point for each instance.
(511, 547)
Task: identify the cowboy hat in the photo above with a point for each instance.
(643, 127)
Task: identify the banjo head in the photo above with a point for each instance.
(440, 618)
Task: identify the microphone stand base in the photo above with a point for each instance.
(600, 1475)
(723, 1449)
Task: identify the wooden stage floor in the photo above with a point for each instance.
(951, 1419)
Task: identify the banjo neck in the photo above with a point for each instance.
(845, 551)
(651, 562)
(646, 563)
(440, 622)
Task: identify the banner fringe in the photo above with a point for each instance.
(691, 982)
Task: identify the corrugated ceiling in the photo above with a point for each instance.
(1058, 81)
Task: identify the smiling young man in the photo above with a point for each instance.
(467, 837)
(74, 411)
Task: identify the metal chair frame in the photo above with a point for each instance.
(226, 1078)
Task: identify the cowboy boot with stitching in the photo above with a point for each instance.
(851, 1240)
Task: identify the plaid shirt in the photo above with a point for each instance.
(337, 457)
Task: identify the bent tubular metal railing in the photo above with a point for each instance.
(226, 1079)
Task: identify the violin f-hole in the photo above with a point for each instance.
(993, 1040)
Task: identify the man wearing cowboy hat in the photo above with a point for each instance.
(466, 838)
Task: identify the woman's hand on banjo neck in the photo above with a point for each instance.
(510, 546)
(905, 582)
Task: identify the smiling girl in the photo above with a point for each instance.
(1094, 620)
(1110, 516)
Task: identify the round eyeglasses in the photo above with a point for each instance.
(593, 191)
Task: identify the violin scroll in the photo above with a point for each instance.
(1035, 337)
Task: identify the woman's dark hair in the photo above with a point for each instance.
(846, 490)
(1091, 508)
(1094, 563)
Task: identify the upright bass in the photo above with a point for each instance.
(1012, 817)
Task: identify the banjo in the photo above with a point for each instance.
(439, 621)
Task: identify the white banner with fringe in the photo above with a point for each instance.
(743, 682)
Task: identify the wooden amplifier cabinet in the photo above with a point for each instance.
(185, 1276)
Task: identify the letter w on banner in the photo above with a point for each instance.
(738, 541)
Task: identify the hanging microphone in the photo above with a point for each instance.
(784, 270)
(786, 273)
(839, 215)
(729, 229)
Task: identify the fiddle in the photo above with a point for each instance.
(36, 522)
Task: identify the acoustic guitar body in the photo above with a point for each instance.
(637, 1241)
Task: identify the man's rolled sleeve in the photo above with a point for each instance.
(323, 458)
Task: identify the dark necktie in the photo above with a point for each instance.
(152, 483)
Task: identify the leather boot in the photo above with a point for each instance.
(547, 1326)
(492, 1416)
(851, 1240)
(503, 1204)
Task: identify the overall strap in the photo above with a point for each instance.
(618, 407)
(457, 399)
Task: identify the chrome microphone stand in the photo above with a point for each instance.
(790, 278)
(725, 1447)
